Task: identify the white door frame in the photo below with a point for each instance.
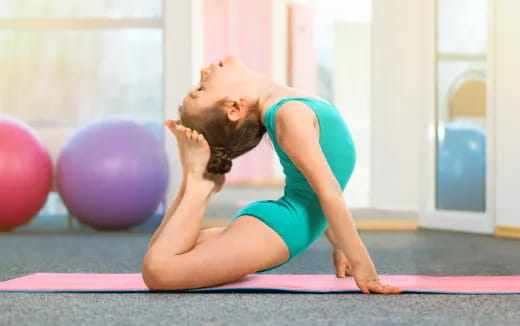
(429, 216)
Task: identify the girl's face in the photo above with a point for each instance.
(217, 81)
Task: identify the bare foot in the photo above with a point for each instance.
(196, 152)
(178, 130)
(185, 136)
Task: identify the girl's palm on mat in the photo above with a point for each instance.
(368, 282)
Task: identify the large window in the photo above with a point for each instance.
(64, 78)
(64, 63)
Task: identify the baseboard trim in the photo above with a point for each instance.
(386, 225)
(507, 231)
(378, 214)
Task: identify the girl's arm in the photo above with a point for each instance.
(297, 137)
(330, 236)
(170, 211)
(345, 235)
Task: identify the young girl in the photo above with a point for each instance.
(223, 117)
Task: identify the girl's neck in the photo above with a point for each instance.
(268, 93)
(264, 93)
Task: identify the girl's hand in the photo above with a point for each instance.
(341, 263)
(367, 280)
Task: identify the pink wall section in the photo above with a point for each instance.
(303, 71)
(216, 38)
(242, 28)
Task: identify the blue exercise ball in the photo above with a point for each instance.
(461, 168)
(112, 174)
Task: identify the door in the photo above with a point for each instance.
(458, 184)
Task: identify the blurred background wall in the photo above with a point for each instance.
(427, 87)
(507, 103)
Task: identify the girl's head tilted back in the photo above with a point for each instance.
(223, 107)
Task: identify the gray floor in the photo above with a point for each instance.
(422, 252)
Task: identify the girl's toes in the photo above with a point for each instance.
(191, 134)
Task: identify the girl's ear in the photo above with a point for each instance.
(236, 109)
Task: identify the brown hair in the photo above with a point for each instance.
(227, 139)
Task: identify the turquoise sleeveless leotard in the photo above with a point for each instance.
(297, 216)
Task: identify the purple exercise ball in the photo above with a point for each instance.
(112, 174)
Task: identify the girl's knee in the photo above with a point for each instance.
(152, 272)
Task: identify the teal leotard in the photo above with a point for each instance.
(297, 216)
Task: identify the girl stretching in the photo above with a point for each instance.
(223, 117)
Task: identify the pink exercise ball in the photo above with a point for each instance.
(25, 173)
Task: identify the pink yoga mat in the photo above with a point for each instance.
(329, 283)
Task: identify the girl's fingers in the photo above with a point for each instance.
(343, 269)
(377, 287)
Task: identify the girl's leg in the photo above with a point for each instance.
(179, 132)
(175, 260)
(193, 167)
(180, 231)
(203, 235)
(169, 212)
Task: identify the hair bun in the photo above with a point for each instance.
(220, 161)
